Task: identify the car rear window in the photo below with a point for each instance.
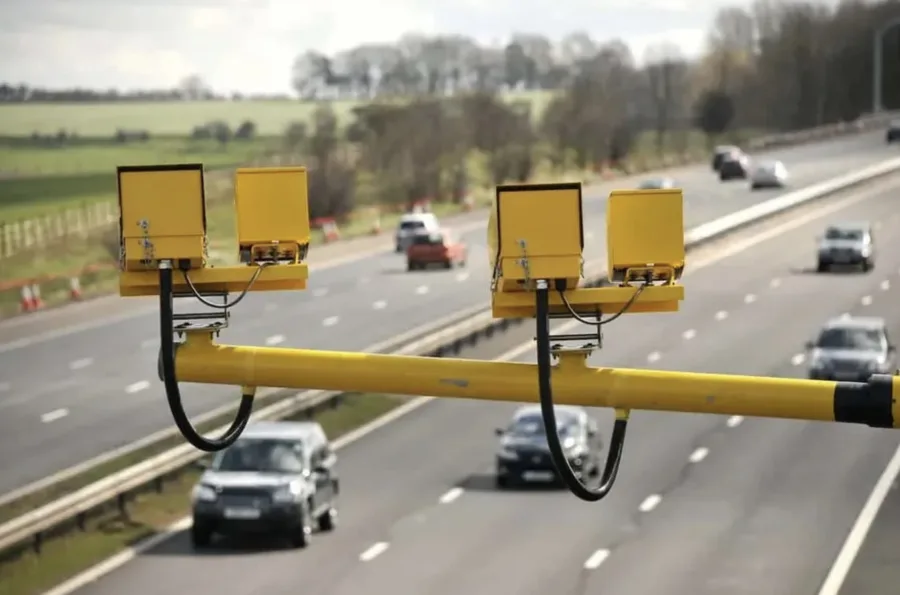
(836, 233)
(430, 239)
(412, 225)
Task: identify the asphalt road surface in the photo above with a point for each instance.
(704, 504)
(70, 398)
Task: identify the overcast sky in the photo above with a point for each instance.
(249, 45)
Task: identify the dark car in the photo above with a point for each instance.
(847, 244)
(893, 132)
(720, 153)
(734, 166)
(851, 348)
(524, 456)
(278, 478)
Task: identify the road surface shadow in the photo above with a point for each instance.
(485, 482)
(180, 545)
(836, 270)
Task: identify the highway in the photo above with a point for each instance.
(75, 396)
(704, 504)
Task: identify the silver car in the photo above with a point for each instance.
(769, 174)
(847, 244)
(851, 348)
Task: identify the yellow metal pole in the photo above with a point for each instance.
(202, 361)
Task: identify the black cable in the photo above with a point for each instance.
(173, 394)
(599, 323)
(557, 453)
(199, 297)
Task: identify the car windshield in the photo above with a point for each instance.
(652, 184)
(532, 426)
(410, 225)
(850, 338)
(262, 456)
(836, 233)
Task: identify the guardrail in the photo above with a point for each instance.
(469, 328)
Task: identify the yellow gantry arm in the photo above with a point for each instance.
(199, 359)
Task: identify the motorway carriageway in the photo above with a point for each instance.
(703, 505)
(66, 400)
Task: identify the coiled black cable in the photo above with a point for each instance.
(557, 453)
(173, 393)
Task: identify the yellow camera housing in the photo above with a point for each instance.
(162, 216)
(645, 235)
(272, 208)
(539, 235)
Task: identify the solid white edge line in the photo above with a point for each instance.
(854, 542)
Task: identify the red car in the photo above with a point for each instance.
(435, 247)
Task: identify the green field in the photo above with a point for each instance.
(174, 118)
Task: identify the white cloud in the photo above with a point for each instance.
(249, 45)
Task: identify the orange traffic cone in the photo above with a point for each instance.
(36, 295)
(75, 288)
(26, 303)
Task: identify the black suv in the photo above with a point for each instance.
(278, 478)
(893, 132)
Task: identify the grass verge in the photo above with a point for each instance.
(109, 532)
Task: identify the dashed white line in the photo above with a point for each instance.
(650, 502)
(422, 289)
(137, 387)
(885, 285)
(749, 298)
(866, 300)
(689, 334)
(270, 307)
(379, 305)
(330, 321)
(81, 363)
(462, 277)
(274, 340)
(721, 315)
(54, 415)
(596, 559)
(845, 315)
(589, 235)
(373, 552)
(775, 282)
(451, 495)
(653, 357)
(319, 292)
(364, 280)
(698, 455)
(734, 421)
(798, 359)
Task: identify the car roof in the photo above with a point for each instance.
(303, 431)
(860, 322)
(723, 148)
(851, 225)
(529, 410)
(416, 216)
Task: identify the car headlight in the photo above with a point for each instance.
(569, 443)
(507, 453)
(204, 493)
(288, 493)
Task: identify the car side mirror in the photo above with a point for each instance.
(321, 470)
(892, 348)
(499, 431)
(810, 345)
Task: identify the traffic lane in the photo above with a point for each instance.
(533, 544)
(424, 455)
(876, 568)
(767, 508)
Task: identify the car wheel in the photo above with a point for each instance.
(754, 187)
(411, 266)
(822, 267)
(501, 481)
(448, 264)
(327, 521)
(300, 537)
(200, 537)
(867, 266)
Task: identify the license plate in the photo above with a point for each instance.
(241, 513)
(537, 475)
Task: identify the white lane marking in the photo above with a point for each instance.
(749, 298)
(845, 315)
(798, 359)
(373, 552)
(721, 315)
(689, 334)
(885, 285)
(451, 495)
(137, 387)
(149, 343)
(734, 421)
(462, 277)
(330, 321)
(54, 415)
(857, 536)
(422, 289)
(589, 235)
(379, 305)
(653, 357)
(270, 307)
(274, 340)
(650, 502)
(596, 559)
(319, 292)
(866, 300)
(363, 280)
(775, 282)
(80, 363)
(698, 455)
